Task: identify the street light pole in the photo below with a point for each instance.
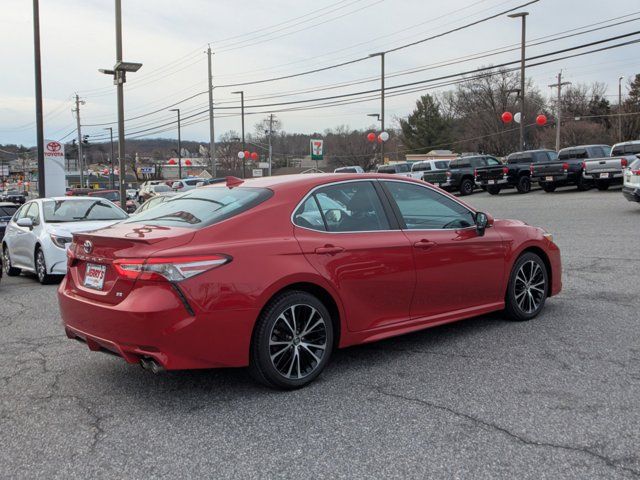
(38, 81)
(241, 93)
(620, 109)
(111, 178)
(119, 73)
(523, 16)
(79, 130)
(177, 110)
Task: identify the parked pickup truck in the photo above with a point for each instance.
(515, 173)
(418, 169)
(459, 175)
(568, 169)
(610, 168)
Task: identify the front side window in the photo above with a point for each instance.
(493, 162)
(347, 207)
(202, 207)
(65, 211)
(33, 213)
(422, 208)
(478, 162)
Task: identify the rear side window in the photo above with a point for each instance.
(403, 167)
(442, 165)
(617, 151)
(421, 167)
(492, 162)
(345, 207)
(478, 162)
(202, 207)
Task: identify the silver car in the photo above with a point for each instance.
(39, 233)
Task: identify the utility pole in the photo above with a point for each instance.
(79, 129)
(270, 147)
(111, 178)
(212, 138)
(523, 16)
(241, 93)
(559, 86)
(179, 144)
(381, 55)
(620, 109)
(38, 81)
(120, 79)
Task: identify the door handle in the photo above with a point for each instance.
(329, 250)
(424, 244)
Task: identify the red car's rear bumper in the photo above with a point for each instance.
(152, 322)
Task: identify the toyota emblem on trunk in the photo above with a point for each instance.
(87, 246)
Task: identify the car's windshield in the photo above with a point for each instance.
(7, 210)
(201, 207)
(59, 211)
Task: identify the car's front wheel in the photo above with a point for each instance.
(527, 289)
(41, 268)
(292, 341)
(6, 263)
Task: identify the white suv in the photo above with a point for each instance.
(631, 178)
(186, 184)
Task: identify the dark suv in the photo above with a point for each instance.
(460, 175)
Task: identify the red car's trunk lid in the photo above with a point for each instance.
(95, 253)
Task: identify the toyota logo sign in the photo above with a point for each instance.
(54, 146)
(87, 247)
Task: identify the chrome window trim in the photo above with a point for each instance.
(422, 185)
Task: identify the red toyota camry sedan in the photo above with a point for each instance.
(275, 273)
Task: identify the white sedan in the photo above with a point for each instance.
(39, 233)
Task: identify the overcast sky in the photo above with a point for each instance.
(256, 40)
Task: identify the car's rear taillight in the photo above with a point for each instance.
(624, 162)
(71, 254)
(565, 166)
(449, 174)
(635, 172)
(505, 170)
(531, 168)
(172, 269)
(583, 165)
(475, 172)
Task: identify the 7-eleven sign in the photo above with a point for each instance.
(316, 149)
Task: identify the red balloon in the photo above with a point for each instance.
(254, 155)
(371, 137)
(247, 154)
(105, 171)
(187, 162)
(541, 120)
(507, 117)
(172, 162)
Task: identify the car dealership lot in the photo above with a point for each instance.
(556, 397)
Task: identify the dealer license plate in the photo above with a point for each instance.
(549, 179)
(94, 276)
(604, 175)
(491, 182)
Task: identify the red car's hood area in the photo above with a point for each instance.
(142, 233)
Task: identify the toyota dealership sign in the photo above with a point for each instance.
(54, 172)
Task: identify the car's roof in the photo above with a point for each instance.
(534, 150)
(630, 142)
(585, 146)
(71, 198)
(8, 204)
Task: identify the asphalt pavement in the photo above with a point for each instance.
(557, 397)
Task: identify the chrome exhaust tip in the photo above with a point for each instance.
(151, 365)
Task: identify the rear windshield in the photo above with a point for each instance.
(161, 188)
(63, 211)
(7, 210)
(202, 207)
(387, 169)
(345, 170)
(573, 153)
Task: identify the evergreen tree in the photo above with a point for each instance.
(426, 127)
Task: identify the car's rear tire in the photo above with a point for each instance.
(493, 189)
(41, 268)
(603, 185)
(466, 187)
(527, 288)
(524, 184)
(292, 341)
(548, 187)
(6, 263)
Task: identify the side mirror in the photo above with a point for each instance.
(25, 222)
(483, 221)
